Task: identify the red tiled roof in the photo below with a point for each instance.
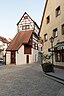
(20, 38)
(4, 40)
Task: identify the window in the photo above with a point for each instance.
(35, 46)
(48, 19)
(26, 17)
(45, 37)
(27, 49)
(62, 29)
(58, 57)
(62, 57)
(27, 26)
(55, 33)
(58, 11)
(24, 27)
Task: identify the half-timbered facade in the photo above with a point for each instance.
(24, 46)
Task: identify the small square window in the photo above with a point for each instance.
(45, 37)
(27, 26)
(62, 29)
(23, 27)
(25, 17)
(55, 33)
(48, 19)
(58, 11)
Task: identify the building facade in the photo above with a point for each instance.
(3, 45)
(52, 24)
(24, 47)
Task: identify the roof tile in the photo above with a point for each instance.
(20, 38)
(3, 39)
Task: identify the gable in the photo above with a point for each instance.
(25, 23)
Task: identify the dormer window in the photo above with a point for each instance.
(58, 11)
(24, 27)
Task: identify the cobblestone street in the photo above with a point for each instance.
(27, 80)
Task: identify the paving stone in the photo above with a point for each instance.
(27, 80)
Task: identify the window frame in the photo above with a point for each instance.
(58, 11)
(25, 27)
(45, 37)
(57, 59)
(55, 33)
(63, 57)
(62, 26)
(48, 19)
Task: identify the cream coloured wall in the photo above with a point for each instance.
(8, 57)
(55, 22)
(20, 57)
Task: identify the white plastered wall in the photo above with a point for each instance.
(20, 57)
(8, 57)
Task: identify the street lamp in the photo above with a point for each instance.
(52, 40)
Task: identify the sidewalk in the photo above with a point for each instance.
(57, 75)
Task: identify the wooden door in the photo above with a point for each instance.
(27, 58)
(13, 57)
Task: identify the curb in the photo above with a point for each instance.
(58, 79)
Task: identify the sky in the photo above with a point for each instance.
(12, 10)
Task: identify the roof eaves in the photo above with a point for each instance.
(24, 42)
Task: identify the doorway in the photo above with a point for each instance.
(13, 57)
(27, 58)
